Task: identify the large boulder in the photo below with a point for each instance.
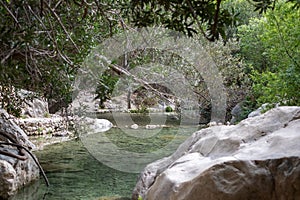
(257, 159)
(17, 168)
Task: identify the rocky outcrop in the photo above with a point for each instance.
(85, 126)
(257, 159)
(55, 125)
(33, 105)
(8, 125)
(93, 125)
(258, 111)
(17, 168)
(237, 113)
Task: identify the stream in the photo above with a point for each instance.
(75, 172)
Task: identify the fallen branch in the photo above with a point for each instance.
(14, 141)
(6, 153)
(141, 81)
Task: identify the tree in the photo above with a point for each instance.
(188, 16)
(44, 42)
(271, 45)
(211, 18)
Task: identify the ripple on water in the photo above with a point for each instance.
(75, 174)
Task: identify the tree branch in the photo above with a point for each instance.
(62, 25)
(32, 156)
(8, 55)
(197, 21)
(283, 43)
(216, 21)
(144, 83)
(11, 14)
(6, 153)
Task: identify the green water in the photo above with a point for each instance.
(75, 173)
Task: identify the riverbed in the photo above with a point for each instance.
(75, 171)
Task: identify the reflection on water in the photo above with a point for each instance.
(123, 119)
(130, 150)
(75, 174)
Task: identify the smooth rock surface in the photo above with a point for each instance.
(8, 125)
(258, 111)
(14, 173)
(134, 126)
(236, 113)
(92, 125)
(257, 159)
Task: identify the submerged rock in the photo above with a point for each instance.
(257, 159)
(93, 125)
(134, 126)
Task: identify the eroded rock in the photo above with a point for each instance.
(257, 159)
(14, 172)
(45, 125)
(33, 105)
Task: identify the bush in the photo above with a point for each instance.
(271, 45)
(169, 109)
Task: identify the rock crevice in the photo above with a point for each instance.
(17, 168)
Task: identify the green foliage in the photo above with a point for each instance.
(208, 18)
(47, 115)
(44, 42)
(234, 70)
(212, 19)
(105, 87)
(248, 105)
(271, 45)
(142, 110)
(140, 198)
(169, 109)
(241, 11)
(265, 5)
(10, 101)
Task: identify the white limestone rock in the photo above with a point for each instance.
(14, 173)
(257, 159)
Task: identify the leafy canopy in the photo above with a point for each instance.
(271, 45)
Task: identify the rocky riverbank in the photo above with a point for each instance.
(20, 136)
(17, 166)
(43, 131)
(259, 158)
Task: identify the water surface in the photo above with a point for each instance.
(74, 172)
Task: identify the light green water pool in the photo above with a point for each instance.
(74, 172)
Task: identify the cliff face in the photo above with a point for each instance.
(259, 158)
